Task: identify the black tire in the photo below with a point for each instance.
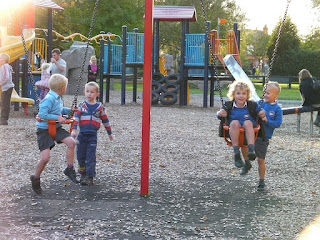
(172, 98)
(154, 97)
(156, 87)
(173, 78)
(158, 77)
(170, 87)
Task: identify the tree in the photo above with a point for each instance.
(316, 3)
(289, 41)
(312, 41)
(254, 43)
(110, 16)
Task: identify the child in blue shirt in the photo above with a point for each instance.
(51, 108)
(240, 116)
(273, 119)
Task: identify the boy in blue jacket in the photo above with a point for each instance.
(273, 119)
(51, 108)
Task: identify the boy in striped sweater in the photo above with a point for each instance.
(89, 116)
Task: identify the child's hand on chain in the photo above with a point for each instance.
(61, 119)
(74, 109)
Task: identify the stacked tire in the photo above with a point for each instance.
(157, 81)
(165, 89)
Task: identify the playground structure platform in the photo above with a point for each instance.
(123, 60)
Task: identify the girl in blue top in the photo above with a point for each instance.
(240, 93)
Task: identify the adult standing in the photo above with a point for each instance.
(254, 70)
(309, 96)
(58, 64)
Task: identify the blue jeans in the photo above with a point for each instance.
(86, 153)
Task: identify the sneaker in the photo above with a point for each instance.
(251, 155)
(71, 173)
(36, 185)
(87, 181)
(238, 161)
(245, 169)
(261, 187)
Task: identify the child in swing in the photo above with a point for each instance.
(44, 82)
(241, 113)
(273, 119)
(51, 108)
(88, 117)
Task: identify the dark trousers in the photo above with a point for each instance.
(5, 107)
(86, 153)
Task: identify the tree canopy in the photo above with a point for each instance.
(316, 3)
(312, 41)
(289, 40)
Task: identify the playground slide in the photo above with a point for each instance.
(238, 74)
(13, 46)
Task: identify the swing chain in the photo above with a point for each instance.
(272, 61)
(75, 101)
(274, 54)
(29, 66)
(211, 52)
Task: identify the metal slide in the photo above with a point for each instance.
(238, 74)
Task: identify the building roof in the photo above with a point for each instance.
(47, 4)
(174, 13)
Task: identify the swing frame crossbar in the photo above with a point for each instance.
(242, 139)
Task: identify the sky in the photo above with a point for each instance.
(261, 12)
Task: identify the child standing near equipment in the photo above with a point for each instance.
(89, 116)
(92, 69)
(241, 112)
(51, 108)
(273, 119)
(44, 82)
(6, 87)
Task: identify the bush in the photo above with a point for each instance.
(291, 62)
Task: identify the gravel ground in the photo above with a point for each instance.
(195, 190)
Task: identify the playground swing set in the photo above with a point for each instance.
(242, 140)
(211, 40)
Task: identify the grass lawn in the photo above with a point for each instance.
(286, 93)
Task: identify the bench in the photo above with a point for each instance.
(16, 98)
(298, 111)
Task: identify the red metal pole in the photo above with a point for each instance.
(147, 76)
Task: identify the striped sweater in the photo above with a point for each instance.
(89, 122)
